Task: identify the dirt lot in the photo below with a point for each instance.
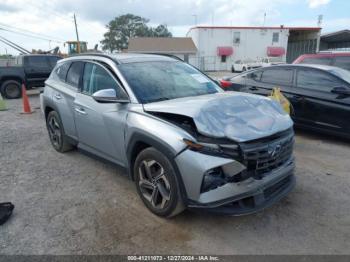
(73, 204)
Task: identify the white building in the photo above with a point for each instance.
(219, 46)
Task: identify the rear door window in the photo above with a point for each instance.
(342, 62)
(316, 80)
(74, 74)
(317, 60)
(278, 76)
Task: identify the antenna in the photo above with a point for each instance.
(264, 19)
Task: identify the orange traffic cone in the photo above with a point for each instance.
(25, 100)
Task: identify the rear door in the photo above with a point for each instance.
(322, 108)
(68, 75)
(100, 126)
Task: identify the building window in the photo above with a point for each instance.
(236, 37)
(223, 59)
(275, 37)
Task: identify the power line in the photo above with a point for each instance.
(46, 37)
(27, 35)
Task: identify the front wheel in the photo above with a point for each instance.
(156, 183)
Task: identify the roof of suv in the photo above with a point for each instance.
(122, 58)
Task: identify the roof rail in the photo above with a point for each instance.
(96, 54)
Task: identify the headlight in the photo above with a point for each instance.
(222, 150)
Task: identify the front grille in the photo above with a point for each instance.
(261, 157)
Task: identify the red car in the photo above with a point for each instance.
(341, 59)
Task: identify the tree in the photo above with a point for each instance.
(124, 27)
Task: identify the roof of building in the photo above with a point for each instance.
(169, 45)
(338, 36)
(258, 27)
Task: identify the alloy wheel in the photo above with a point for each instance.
(54, 132)
(153, 184)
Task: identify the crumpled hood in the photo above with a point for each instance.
(236, 116)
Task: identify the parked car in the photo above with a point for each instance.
(244, 65)
(269, 61)
(32, 70)
(184, 141)
(320, 95)
(339, 59)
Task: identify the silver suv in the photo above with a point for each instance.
(185, 142)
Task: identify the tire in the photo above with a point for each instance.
(56, 133)
(232, 69)
(11, 89)
(244, 69)
(158, 188)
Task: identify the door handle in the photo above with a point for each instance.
(298, 98)
(253, 88)
(58, 96)
(80, 111)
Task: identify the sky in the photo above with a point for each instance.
(51, 22)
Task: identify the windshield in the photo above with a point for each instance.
(160, 80)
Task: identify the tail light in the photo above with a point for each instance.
(225, 83)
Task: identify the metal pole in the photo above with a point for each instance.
(76, 31)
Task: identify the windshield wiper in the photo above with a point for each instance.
(158, 99)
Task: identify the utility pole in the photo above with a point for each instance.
(76, 31)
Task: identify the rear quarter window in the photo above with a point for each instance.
(60, 72)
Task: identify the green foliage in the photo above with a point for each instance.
(123, 27)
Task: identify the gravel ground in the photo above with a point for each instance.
(73, 204)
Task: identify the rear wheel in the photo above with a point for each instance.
(232, 69)
(56, 133)
(11, 89)
(244, 69)
(156, 183)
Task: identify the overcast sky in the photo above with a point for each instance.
(53, 20)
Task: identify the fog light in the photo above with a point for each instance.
(212, 179)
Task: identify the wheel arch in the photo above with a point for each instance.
(11, 77)
(139, 142)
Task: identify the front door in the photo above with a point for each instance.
(323, 108)
(100, 126)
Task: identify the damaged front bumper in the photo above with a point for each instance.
(234, 198)
(254, 195)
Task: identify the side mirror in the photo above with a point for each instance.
(108, 96)
(341, 90)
